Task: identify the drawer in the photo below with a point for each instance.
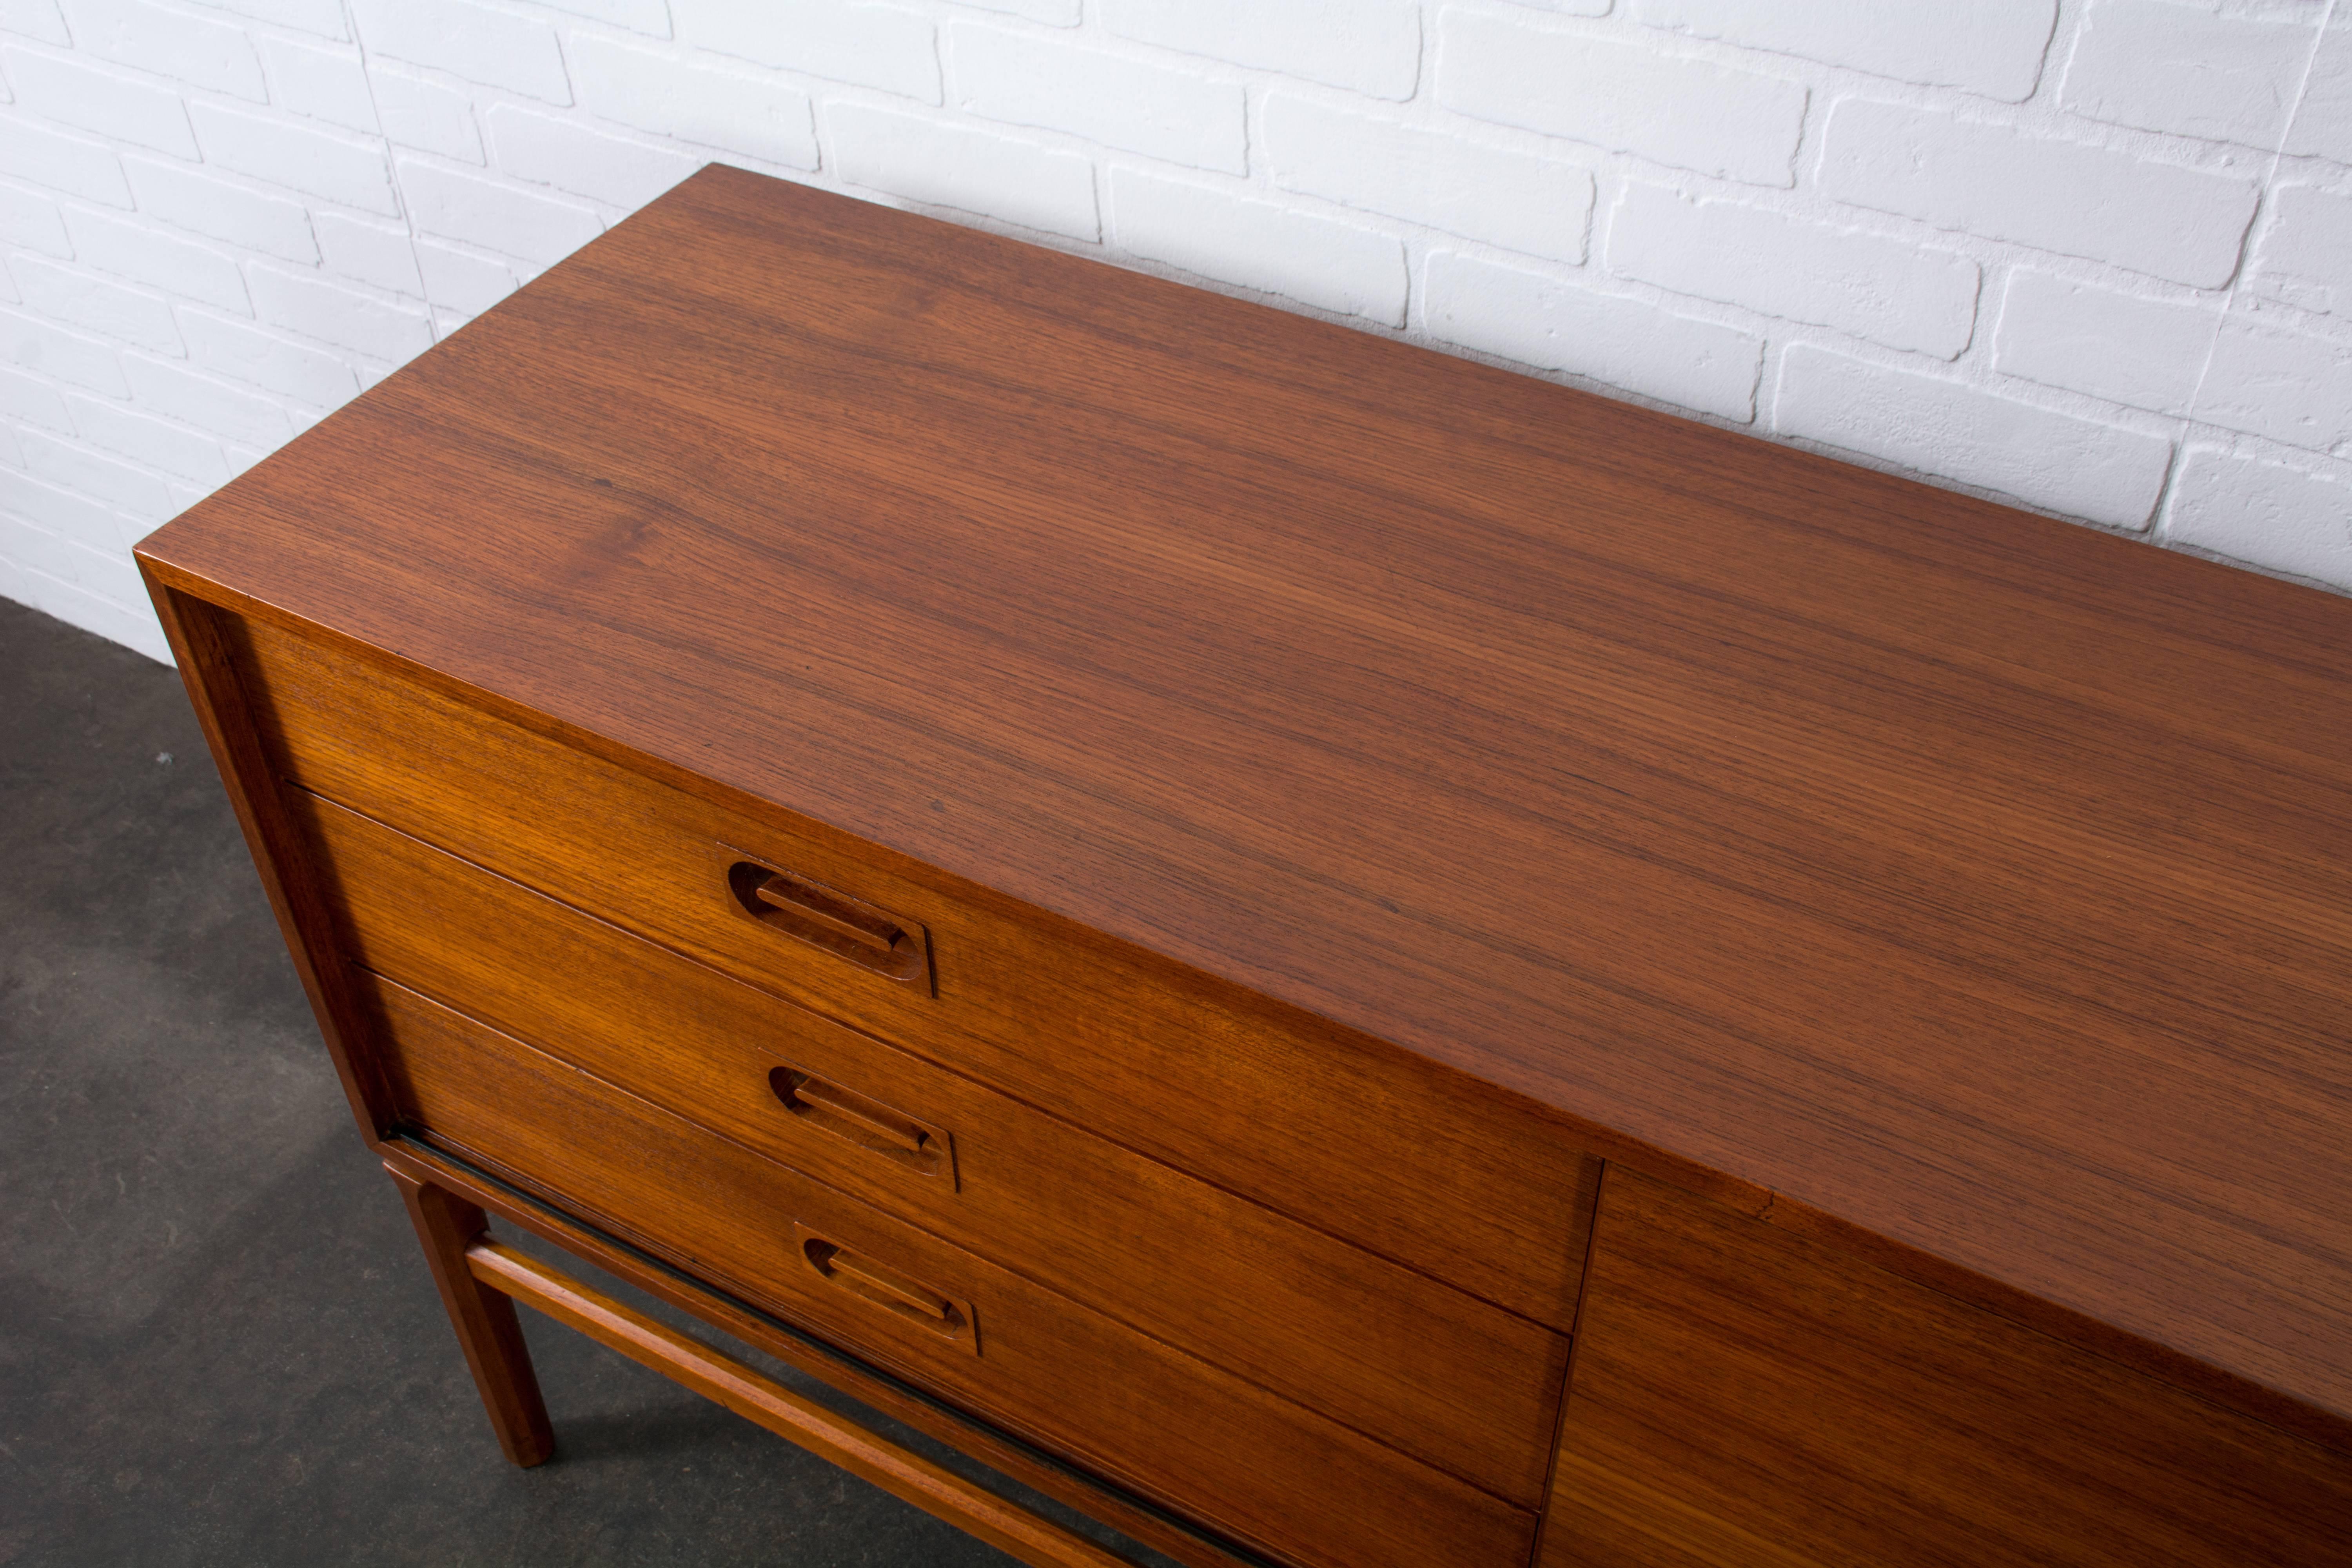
(1354, 1137)
(1441, 1375)
(1113, 1400)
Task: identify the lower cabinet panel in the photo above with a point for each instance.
(1240, 1460)
(1744, 1398)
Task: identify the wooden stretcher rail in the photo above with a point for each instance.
(794, 1417)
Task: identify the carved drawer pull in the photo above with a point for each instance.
(905, 1299)
(870, 937)
(869, 1123)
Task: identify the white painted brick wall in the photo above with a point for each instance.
(1890, 291)
(1993, 48)
(2165, 66)
(2091, 256)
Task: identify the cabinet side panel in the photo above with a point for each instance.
(1742, 1396)
(202, 638)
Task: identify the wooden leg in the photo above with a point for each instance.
(484, 1319)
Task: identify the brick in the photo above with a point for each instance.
(426, 116)
(300, 157)
(35, 19)
(1372, 47)
(1535, 319)
(1990, 47)
(1890, 291)
(2268, 513)
(1052, 13)
(869, 45)
(59, 511)
(149, 255)
(2290, 386)
(113, 106)
(2145, 353)
(67, 294)
(220, 210)
(2323, 121)
(118, 484)
(208, 54)
(639, 15)
(2165, 67)
(26, 400)
(194, 399)
(2163, 219)
(2079, 467)
(758, 116)
(62, 163)
(243, 351)
(2305, 257)
(571, 157)
(1513, 199)
(497, 49)
(1333, 265)
(157, 443)
(31, 222)
(344, 317)
(324, 18)
(43, 346)
(321, 83)
(1158, 110)
(101, 569)
(1619, 95)
(446, 324)
(956, 166)
(370, 253)
(455, 280)
(494, 216)
(133, 626)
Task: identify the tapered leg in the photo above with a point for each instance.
(484, 1319)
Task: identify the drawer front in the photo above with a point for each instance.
(1438, 1374)
(1369, 1143)
(1117, 1402)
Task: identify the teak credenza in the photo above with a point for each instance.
(1333, 955)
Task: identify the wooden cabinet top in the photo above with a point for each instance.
(1952, 876)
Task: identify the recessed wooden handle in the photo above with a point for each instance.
(869, 1123)
(905, 1299)
(829, 913)
(866, 934)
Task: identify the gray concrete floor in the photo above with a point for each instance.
(218, 1343)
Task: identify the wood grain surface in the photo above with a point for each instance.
(1976, 879)
(1008, 1455)
(484, 1320)
(1748, 1399)
(1444, 1378)
(1119, 1404)
(755, 1396)
(1369, 1143)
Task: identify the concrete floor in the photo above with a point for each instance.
(218, 1342)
